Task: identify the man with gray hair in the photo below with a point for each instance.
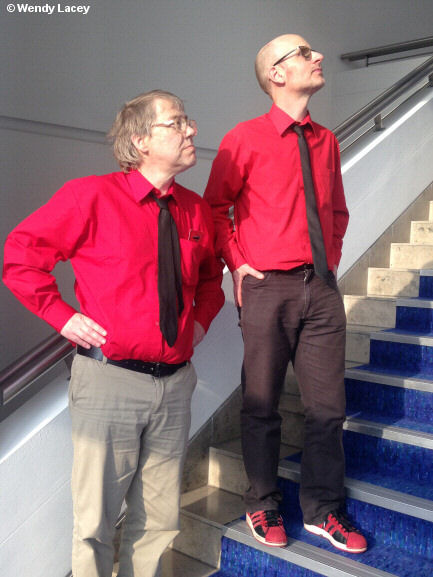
(281, 172)
(148, 284)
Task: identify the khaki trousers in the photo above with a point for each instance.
(129, 433)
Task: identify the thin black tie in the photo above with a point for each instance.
(169, 273)
(314, 228)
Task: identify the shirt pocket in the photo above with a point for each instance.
(191, 256)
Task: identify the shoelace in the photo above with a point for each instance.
(273, 519)
(270, 518)
(341, 522)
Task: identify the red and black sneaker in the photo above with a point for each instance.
(340, 532)
(267, 527)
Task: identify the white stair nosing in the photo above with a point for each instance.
(390, 380)
(397, 269)
(402, 337)
(197, 517)
(374, 494)
(365, 329)
(389, 432)
(304, 555)
(411, 244)
(415, 303)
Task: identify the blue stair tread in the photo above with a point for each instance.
(385, 557)
(409, 408)
(363, 466)
(390, 464)
(416, 489)
(399, 544)
(406, 332)
(423, 376)
(239, 560)
(402, 422)
(418, 298)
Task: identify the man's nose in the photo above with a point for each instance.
(317, 56)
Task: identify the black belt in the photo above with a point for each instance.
(157, 370)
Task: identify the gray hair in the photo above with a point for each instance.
(135, 119)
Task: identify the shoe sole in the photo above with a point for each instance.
(322, 533)
(262, 539)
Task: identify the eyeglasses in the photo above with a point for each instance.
(304, 51)
(180, 124)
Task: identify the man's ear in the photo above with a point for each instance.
(276, 75)
(141, 143)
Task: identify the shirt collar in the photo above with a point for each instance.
(141, 187)
(282, 121)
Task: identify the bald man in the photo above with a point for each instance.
(283, 250)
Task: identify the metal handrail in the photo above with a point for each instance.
(389, 49)
(20, 374)
(376, 106)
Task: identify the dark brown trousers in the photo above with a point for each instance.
(293, 316)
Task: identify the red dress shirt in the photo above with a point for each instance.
(258, 170)
(107, 226)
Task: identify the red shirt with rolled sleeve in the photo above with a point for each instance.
(107, 226)
(258, 170)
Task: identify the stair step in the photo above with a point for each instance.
(402, 352)
(298, 559)
(204, 511)
(421, 232)
(291, 403)
(391, 402)
(393, 282)
(358, 342)
(370, 311)
(395, 462)
(392, 550)
(400, 460)
(315, 554)
(405, 255)
(415, 478)
(369, 493)
(175, 564)
(426, 283)
(367, 374)
(226, 468)
(396, 422)
(386, 463)
(392, 536)
(415, 315)
(419, 437)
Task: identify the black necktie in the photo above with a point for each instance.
(314, 228)
(169, 273)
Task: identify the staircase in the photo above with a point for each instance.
(388, 441)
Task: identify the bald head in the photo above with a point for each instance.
(270, 53)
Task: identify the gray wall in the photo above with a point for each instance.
(76, 70)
